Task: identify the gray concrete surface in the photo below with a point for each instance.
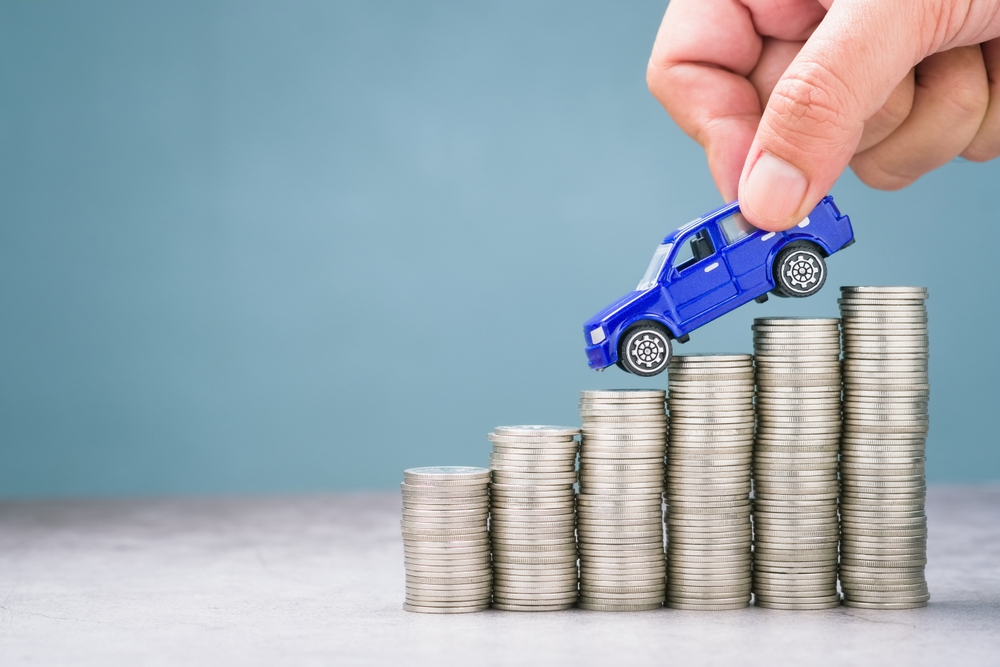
(319, 580)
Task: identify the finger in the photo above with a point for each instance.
(815, 116)
(697, 70)
(890, 116)
(949, 102)
(986, 144)
(775, 57)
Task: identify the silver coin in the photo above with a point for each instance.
(443, 491)
(870, 582)
(885, 587)
(823, 577)
(536, 430)
(622, 402)
(444, 518)
(444, 475)
(596, 606)
(536, 464)
(442, 505)
(590, 502)
(448, 591)
(554, 489)
(544, 571)
(522, 578)
(620, 603)
(863, 534)
(625, 467)
(629, 421)
(480, 585)
(449, 553)
(867, 291)
(423, 609)
(636, 575)
(636, 394)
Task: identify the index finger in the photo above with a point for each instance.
(704, 53)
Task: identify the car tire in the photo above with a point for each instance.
(645, 350)
(799, 271)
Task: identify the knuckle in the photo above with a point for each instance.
(983, 149)
(968, 96)
(895, 110)
(813, 103)
(958, 79)
(874, 175)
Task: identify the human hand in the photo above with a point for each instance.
(784, 94)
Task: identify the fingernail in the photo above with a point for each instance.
(774, 189)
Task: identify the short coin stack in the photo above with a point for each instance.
(619, 508)
(884, 534)
(446, 545)
(533, 517)
(708, 481)
(796, 529)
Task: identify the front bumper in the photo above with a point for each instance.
(599, 356)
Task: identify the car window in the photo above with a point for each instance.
(693, 249)
(655, 266)
(735, 227)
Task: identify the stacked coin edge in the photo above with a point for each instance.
(886, 392)
(446, 548)
(709, 451)
(795, 475)
(619, 506)
(533, 520)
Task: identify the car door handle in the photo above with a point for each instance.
(711, 267)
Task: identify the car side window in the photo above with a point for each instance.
(735, 227)
(693, 249)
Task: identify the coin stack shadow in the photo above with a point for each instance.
(709, 451)
(620, 504)
(796, 529)
(533, 517)
(446, 546)
(884, 529)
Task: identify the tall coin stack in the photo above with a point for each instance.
(708, 481)
(796, 528)
(884, 529)
(619, 507)
(533, 517)
(446, 545)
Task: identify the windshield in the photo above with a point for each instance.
(655, 266)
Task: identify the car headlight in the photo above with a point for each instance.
(597, 335)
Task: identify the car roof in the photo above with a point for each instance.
(718, 213)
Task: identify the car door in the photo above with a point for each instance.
(698, 276)
(747, 249)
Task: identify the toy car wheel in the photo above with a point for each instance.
(646, 350)
(799, 271)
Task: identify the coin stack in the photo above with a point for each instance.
(796, 528)
(533, 517)
(884, 535)
(708, 481)
(619, 508)
(446, 545)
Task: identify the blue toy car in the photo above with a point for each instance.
(705, 269)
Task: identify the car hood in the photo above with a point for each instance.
(608, 314)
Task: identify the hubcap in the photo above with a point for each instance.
(803, 270)
(647, 350)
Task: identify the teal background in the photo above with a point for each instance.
(299, 246)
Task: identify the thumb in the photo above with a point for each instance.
(817, 111)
